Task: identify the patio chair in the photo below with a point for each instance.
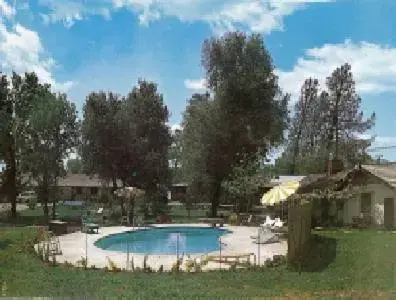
(268, 222)
(265, 236)
(278, 223)
(124, 220)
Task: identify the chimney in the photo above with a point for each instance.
(334, 165)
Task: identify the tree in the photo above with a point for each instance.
(244, 183)
(328, 123)
(247, 115)
(18, 96)
(175, 156)
(147, 118)
(200, 140)
(302, 121)
(127, 138)
(52, 133)
(345, 119)
(103, 137)
(74, 166)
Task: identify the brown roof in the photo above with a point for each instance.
(80, 180)
(385, 172)
(367, 174)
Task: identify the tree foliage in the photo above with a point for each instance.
(244, 183)
(127, 138)
(36, 131)
(175, 156)
(247, 114)
(326, 122)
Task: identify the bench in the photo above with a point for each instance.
(91, 228)
(58, 227)
(232, 258)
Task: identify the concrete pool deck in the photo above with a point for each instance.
(74, 247)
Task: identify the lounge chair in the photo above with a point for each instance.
(277, 224)
(265, 236)
(268, 222)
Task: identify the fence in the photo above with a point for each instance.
(299, 227)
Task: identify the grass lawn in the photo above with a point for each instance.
(356, 264)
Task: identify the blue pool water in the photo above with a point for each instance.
(164, 240)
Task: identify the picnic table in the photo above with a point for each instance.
(212, 221)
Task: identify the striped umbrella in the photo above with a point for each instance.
(280, 193)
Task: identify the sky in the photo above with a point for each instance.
(79, 46)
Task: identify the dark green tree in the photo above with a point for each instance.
(346, 121)
(18, 97)
(52, 133)
(247, 115)
(175, 156)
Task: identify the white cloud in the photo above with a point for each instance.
(6, 9)
(70, 11)
(21, 51)
(254, 15)
(373, 66)
(195, 84)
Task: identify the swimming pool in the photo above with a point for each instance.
(164, 240)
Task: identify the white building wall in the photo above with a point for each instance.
(379, 193)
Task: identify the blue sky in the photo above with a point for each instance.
(80, 46)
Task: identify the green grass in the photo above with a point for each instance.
(353, 264)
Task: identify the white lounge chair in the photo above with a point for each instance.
(268, 222)
(265, 236)
(278, 223)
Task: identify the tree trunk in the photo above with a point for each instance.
(13, 193)
(215, 201)
(123, 210)
(53, 209)
(45, 196)
(131, 210)
(12, 180)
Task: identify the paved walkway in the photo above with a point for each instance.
(74, 247)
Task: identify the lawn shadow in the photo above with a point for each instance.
(322, 252)
(4, 244)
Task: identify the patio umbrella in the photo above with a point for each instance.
(280, 193)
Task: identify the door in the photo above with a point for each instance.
(389, 212)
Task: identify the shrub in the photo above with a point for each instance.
(32, 203)
(112, 266)
(132, 264)
(67, 264)
(176, 265)
(82, 262)
(161, 269)
(146, 267)
(190, 264)
(234, 219)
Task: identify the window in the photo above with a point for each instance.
(365, 203)
(94, 190)
(78, 190)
